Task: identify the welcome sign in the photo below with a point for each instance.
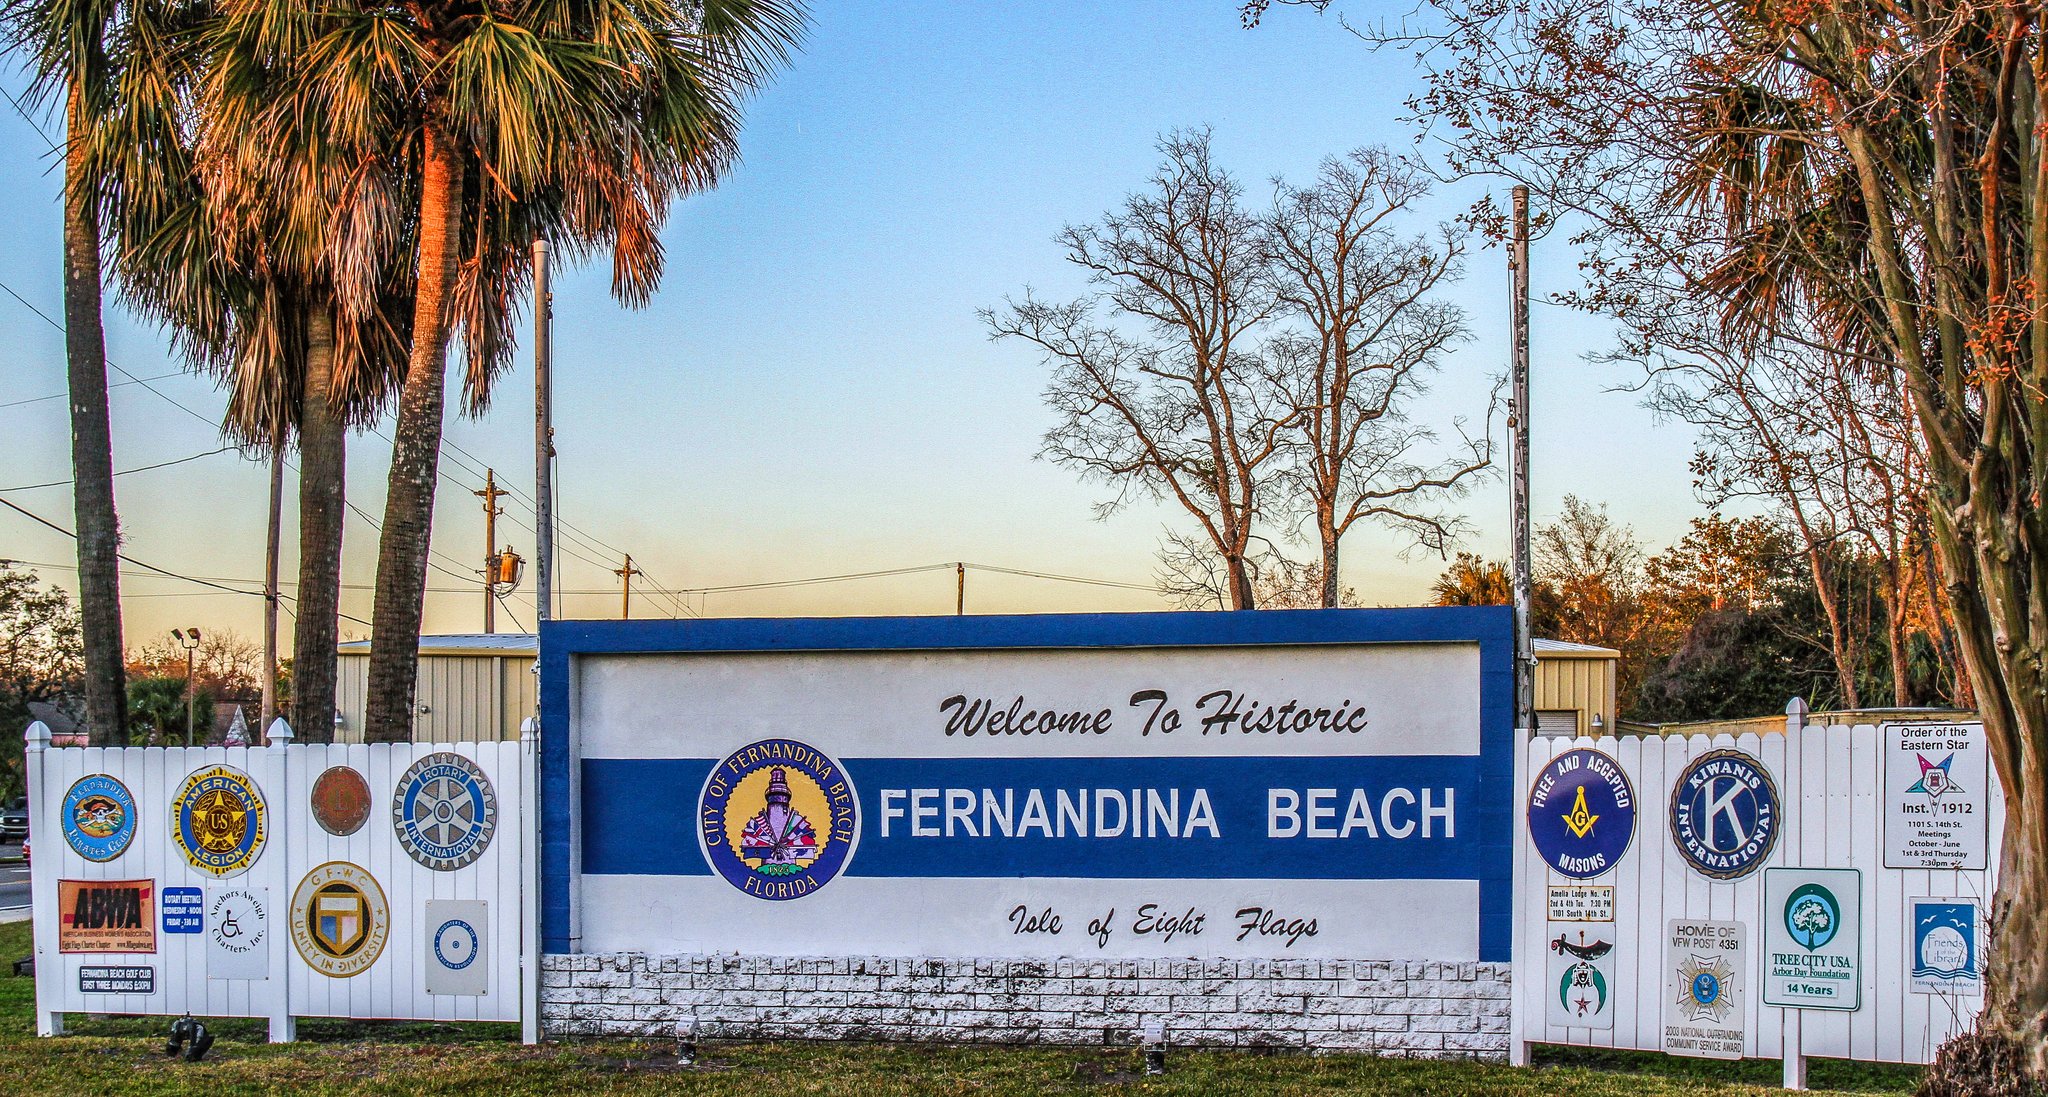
(1301, 784)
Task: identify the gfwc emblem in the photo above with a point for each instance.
(777, 819)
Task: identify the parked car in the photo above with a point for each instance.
(14, 820)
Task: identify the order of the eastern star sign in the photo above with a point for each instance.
(779, 835)
(1934, 777)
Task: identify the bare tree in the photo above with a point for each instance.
(1163, 397)
(1367, 336)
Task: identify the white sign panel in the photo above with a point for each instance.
(1706, 972)
(1570, 903)
(1579, 988)
(1146, 801)
(457, 936)
(1936, 780)
(1813, 938)
(1944, 941)
(237, 928)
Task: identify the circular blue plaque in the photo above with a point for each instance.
(1582, 813)
(1725, 814)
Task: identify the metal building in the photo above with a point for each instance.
(471, 688)
(1575, 688)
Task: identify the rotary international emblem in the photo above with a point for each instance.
(218, 820)
(777, 820)
(340, 920)
(99, 817)
(445, 812)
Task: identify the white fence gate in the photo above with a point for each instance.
(1829, 782)
(410, 895)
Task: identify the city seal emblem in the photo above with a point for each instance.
(1725, 816)
(1582, 813)
(218, 820)
(777, 819)
(99, 817)
(339, 919)
(340, 801)
(445, 811)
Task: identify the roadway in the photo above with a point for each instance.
(14, 901)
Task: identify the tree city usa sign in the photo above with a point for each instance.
(1209, 799)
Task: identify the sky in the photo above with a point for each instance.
(811, 393)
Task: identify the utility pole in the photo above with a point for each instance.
(270, 585)
(543, 437)
(960, 597)
(490, 495)
(626, 575)
(1518, 456)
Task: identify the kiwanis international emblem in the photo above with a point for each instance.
(1934, 777)
(218, 820)
(99, 817)
(1724, 814)
(446, 811)
(777, 819)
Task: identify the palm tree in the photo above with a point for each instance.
(102, 58)
(578, 120)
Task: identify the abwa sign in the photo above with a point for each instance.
(1306, 784)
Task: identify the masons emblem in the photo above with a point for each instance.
(777, 819)
(1582, 813)
(218, 820)
(339, 919)
(99, 817)
(445, 811)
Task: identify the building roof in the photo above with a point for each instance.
(473, 643)
(1565, 649)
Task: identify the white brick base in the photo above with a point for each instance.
(1402, 1008)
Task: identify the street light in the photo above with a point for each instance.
(189, 638)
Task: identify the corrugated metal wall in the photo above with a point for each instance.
(1586, 685)
(468, 698)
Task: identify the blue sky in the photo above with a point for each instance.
(811, 393)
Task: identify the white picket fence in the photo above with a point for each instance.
(1828, 779)
(393, 986)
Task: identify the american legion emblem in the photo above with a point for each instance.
(218, 820)
(1582, 813)
(340, 801)
(777, 819)
(340, 920)
(445, 811)
(99, 817)
(1725, 814)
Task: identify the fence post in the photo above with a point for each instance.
(283, 1028)
(529, 882)
(42, 881)
(1793, 1031)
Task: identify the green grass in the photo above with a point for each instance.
(124, 1056)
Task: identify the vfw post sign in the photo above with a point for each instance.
(1118, 786)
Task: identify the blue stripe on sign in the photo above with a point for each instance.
(977, 817)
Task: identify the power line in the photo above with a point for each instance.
(125, 472)
(62, 395)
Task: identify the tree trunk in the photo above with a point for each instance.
(323, 495)
(1329, 570)
(1239, 578)
(1839, 647)
(415, 453)
(92, 447)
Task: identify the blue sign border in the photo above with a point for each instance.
(1490, 627)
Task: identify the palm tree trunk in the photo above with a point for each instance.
(323, 495)
(415, 453)
(92, 448)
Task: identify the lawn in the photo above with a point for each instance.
(124, 1056)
